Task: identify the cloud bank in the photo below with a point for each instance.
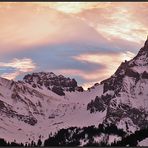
(85, 40)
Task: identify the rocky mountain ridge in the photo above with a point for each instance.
(125, 94)
(57, 84)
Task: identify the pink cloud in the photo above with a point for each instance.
(10, 76)
(119, 20)
(111, 61)
(40, 23)
(27, 25)
(20, 65)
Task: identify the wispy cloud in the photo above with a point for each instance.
(119, 20)
(20, 66)
(110, 62)
(74, 7)
(105, 58)
(10, 76)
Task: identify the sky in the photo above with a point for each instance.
(82, 40)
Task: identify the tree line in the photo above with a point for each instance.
(72, 136)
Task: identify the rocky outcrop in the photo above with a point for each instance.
(58, 84)
(116, 113)
(145, 75)
(7, 110)
(99, 104)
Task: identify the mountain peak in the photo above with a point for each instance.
(146, 44)
(52, 82)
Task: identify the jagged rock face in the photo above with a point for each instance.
(58, 84)
(99, 104)
(129, 85)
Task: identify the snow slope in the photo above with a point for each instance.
(143, 142)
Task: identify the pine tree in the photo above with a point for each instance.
(39, 142)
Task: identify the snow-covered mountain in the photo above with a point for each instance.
(125, 94)
(28, 112)
(44, 102)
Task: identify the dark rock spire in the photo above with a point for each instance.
(146, 44)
